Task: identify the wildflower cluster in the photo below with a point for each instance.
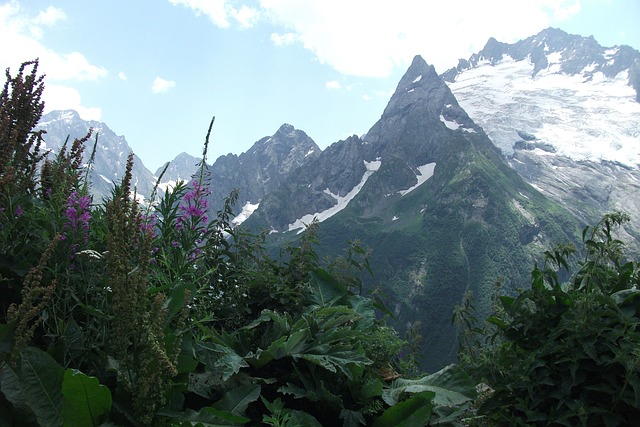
(76, 226)
(78, 213)
(193, 208)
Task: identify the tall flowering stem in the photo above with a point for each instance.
(146, 366)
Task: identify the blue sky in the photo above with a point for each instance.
(156, 71)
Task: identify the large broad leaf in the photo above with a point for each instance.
(205, 417)
(220, 359)
(10, 386)
(6, 337)
(413, 412)
(302, 419)
(451, 385)
(37, 384)
(342, 360)
(352, 418)
(236, 401)
(326, 290)
(85, 400)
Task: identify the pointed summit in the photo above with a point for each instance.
(424, 107)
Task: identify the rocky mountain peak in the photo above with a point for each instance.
(111, 152)
(263, 167)
(424, 103)
(555, 51)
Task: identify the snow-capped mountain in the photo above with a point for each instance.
(565, 110)
(463, 181)
(110, 156)
(432, 196)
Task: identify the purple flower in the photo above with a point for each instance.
(193, 208)
(19, 210)
(77, 225)
(77, 213)
(148, 225)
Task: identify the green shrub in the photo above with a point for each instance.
(567, 353)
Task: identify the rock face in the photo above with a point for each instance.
(565, 111)
(261, 169)
(110, 156)
(182, 168)
(435, 199)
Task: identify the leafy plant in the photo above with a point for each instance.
(162, 314)
(567, 353)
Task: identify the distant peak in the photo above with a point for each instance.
(419, 66)
(62, 115)
(286, 128)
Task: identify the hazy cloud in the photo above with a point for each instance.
(122, 76)
(49, 16)
(221, 12)
(59, 97)
(283, 39)
(21, 35)
(333, 84)
(161, 85)
(366, 38)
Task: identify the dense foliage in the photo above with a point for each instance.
(564, 352)
(137, 313)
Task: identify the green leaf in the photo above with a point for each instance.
(338, 359)
(302, 419)
(85, 400)
(326, 290)
(7, 331)
(352, 418)
(451, 385)
(220, 359)
(41, 386)
(413, 412)
(10, 387)
(237, 400)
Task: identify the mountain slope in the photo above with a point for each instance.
(432, 196)
(565, 111)
(110, 156)
(261, 169)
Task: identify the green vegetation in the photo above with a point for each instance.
(563, 352)
(135, 314)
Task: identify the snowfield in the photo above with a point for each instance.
(584, 117)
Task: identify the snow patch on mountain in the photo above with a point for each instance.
(247, 210)
(587, 116)
(342, 201)
(451, 124)
(424, 173)
(169, 185)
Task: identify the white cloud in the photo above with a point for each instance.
(220, 12)
(59, 97)
(161, 85)
(122, 76)
(246, 16)
(49, 16)
(283, 39)
(366, 38)
(21, 35)
(333, 84)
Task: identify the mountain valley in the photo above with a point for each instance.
(463, 182)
